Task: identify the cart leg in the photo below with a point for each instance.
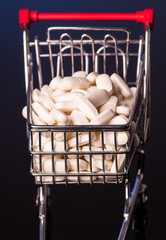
(130, 198)
(42, 203)
(140, 215)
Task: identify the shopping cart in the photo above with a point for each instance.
(104, 50)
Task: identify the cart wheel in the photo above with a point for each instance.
(140, 214)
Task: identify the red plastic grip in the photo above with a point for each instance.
(26, 17)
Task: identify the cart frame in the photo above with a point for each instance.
(143, 79)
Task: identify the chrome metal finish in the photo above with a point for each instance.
(93, 55)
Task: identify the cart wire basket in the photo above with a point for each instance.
(104, 50)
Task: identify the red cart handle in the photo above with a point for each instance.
(26, 17)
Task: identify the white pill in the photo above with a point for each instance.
(78, 118)
(78, 90)
(106, 156)
(103, 81)
(54, 84)
(92, 89)
(66, 97)
(48, 165)
(102, 118)
(49, 179)
(128, 101)
(59, 116)
(99, 97)
(79, 74)
(94, 167)
(35, 94)
(133, 90)
(110, 104)
(118, 120)
(124, 89)
(97, 164)
(43, 113)
(83, 139)
(37, 120)
(57, 146)
(85, 106)
(111, 148)
(83, 83)
(123, 110)
(35, 140)
(120, 162)
(82, 178)
(74, 149)
(106, 177)
(92, 77)
(85, 148)
(73, 164)
(57, 92)
(46, 101)
(87, 178)
(121, 138)
(46, 90)
(69, 83)
(24, 112)
(65, 106)
(97, 142)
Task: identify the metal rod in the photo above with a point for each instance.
(42, 211)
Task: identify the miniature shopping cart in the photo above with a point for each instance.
(103, 50)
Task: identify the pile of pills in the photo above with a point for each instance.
(81, 99)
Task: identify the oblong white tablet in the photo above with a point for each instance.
(103, 81)
(78, 90)
(24, 112)
(43, 113)
(92, 89)
(69, 83)
(57, 92)
(97, 142)
(74, 149)
(54, 84)
(46, 101)
(99, 97)
(37, 120)
(59, 116)
(85, 106)
(79, 74)
(121, 138)
(66, 97)
(82, 178)
(92, 77)
(65, 106)
(85, 148)
(120, 162)
(118, 120)
(58, 146)
(124, 89)
(102, 118)
(73, 164)
(48, 165)
(35, 94)
(78, 118)
(94, 167)
(110, 104)
(83, 83)
(123, 110)
(46, 90)
(83, 139)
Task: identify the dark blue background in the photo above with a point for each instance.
(93, 208)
